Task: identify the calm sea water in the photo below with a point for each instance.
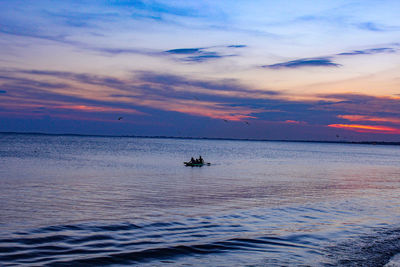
(72, 201)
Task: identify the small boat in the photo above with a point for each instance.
(191, 164)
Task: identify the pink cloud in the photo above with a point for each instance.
(367, 128)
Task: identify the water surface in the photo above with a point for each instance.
(73, 200)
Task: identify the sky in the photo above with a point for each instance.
(278, 70)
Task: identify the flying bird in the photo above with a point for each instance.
(248, 123)
(120, 118)
(225, 120)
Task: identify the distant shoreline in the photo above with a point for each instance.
(209, 138)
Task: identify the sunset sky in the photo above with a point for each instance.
(297, 70)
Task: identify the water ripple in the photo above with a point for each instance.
(69, 245)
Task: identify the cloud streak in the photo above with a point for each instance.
(370, 51)
(370, 26)
(367, 128)
(203, 54)
(155, 97)
(145, 90)
(304, 62)
(327, 61)
(219, 99)
(369, 118)
(378, 106)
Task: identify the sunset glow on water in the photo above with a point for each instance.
(74, 200)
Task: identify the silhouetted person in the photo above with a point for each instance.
(192, 160)
(201, 160)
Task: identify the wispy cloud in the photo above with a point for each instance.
(154, 94)
(27, 94)
(378, 106)
(163, 92)
(23, 32)
(185, 51)
(328, 61)
(157, 7)
(228, 88)
(196, 54)
(81, 19)
(369, 118)
(304, 62)
(63, 39)
(370, 26)
(367, 128)
(237, 46)
(203, 53)
(295, 122)
(370, 51)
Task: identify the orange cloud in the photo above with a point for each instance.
(97, 109)
(368, 118)
(367, 128)
(209, 109)
(294, 122)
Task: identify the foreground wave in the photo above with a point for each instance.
(163, 243)
(72, 245)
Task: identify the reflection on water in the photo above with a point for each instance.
(96, 200)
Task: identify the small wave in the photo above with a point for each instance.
(177, 251)
(71, 245)
(226, 236)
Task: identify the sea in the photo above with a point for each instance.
(123, 201)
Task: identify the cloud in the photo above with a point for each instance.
(203, 53)
(294, 122)
(326, 61)
(369, 118)
(163, 92)
(205, 57)
(63, 39)
(118, 51)
(3, 91)
(370, 26)
(227, 88)
(369, 51)
(28, 82)
(196, 54)
(362, 104)
(367, 128)
(237, 46)
(29, 31)
(32, 33)
(185, 51)
(27, 94)
(156, 7)
(156, 94)
(305, 62)
(81, 19)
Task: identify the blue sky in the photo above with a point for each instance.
(309, 70)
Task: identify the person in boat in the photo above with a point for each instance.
(192, 160)
(201, 161)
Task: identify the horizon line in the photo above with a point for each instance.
(209, 138)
